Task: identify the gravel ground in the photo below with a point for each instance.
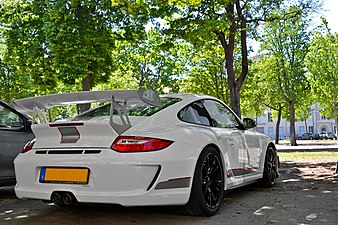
(306, 193)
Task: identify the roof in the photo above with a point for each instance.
(186, 95)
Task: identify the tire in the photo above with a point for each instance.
(207, 193)
(270, 172)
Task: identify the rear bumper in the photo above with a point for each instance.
(159, 197)
(156, 178)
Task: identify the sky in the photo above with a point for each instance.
(331, 14)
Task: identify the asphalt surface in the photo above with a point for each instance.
(299, 198)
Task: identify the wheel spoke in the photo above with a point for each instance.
(208, 163)
(214, 170)
(210, 197)
(205, 192)
(204, 169)
(213, 201)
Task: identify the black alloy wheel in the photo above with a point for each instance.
(212, 180)
(270, 168)
(207, 191)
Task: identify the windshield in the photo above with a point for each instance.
(133, 109)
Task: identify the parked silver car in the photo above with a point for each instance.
(15, 132)
(327, 135)
(306, 136)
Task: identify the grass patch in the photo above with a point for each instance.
(308, 156)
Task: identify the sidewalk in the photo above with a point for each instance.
(308, 146)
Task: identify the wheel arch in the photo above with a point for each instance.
(273, 146)
(275, 151)
(263, 155)
(197, 204)
(218, 149)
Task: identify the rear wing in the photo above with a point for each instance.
(37, 107)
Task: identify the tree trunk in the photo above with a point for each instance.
(244, 54)
(229, 51)
(306, 129)
(292, 124)
(235, 85)
(235, 102)
(7, 87)
(232, 85)
(86, 86)
(335, 115)
(279, 117)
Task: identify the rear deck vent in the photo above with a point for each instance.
(92, 152)
(41, 152)
(67, 152)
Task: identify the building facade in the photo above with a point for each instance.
(266, 124)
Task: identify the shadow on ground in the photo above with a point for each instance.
(310, 171)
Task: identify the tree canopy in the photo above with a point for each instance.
(228, 24)
(287, 43)
(193, 46)
(323, 70)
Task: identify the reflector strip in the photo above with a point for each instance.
(183, 182)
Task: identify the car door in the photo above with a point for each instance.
(226, 124)
(244, 146)
(15, 132)
(229, 140)
(254, 146)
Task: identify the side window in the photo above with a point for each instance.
(195, 113)
(221, 116)
(9, 119)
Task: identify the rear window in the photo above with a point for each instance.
(133, 109)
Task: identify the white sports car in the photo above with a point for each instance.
(142, 149)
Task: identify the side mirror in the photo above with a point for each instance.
(249, 123)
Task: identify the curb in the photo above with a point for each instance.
(307, 148)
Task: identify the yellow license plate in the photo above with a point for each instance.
(64, 175)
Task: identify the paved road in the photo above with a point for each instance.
(298, 198)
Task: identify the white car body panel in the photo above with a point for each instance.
(134, 173)
(147, 178)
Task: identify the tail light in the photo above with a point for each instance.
(28, 146)
(139, 144)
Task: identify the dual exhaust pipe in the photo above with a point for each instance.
(63, 198)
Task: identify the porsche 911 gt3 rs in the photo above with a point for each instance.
(142, 149)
